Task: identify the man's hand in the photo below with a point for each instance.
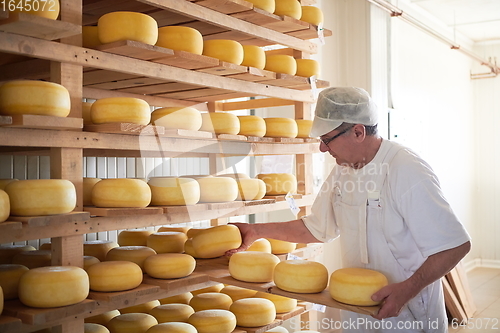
(248, 236)
(393, 298)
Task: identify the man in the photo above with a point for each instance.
(386, 205)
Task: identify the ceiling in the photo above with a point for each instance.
(479, 20)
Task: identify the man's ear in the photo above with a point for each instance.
(359, 131)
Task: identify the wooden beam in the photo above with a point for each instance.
(256, 104)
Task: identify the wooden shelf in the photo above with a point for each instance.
(42, 122)
(10, 324)
(39, 27)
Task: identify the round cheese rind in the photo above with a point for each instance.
(210, 301)
(183, 298)
(312, 14)
(252, 126)
(5, 181)
(53, 286)
(141, 308)
(9, 279)
(89, 261)
(172, 328)
(253, 56)
(135, 254)
(88, 185)
(213, 321)
(33, 259)
(174, 191)
(7, 252)
(216, 288)
(253, 312)
(220, 123)
(174, 312)
(214, 242)
(121, 192)
(267, 5)
(237, 293)
(114, 276)
(279, 183)
(98, 248)
(355, 286)
(132, 323)
(251, 189)
(281, 247)
(103, 318)
(304, 126)
(283, 304)
(177, 117)
(181, 39)
(167, 241)
(123, 25)
(224, 49)
(250, 266)
(290, 8)
(301, 276)
(120, 110)
(177, 229)
(169, 265)
(4, 206)
(261, 245)
(134, 237)
(281, 63)
(307, 67)
(278, 127)
(217, 189)
(94, 328)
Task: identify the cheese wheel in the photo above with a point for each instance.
(134, 237)
(193, 231)
(304, 128)
(183, 298)
(213, 321)
(279, 183)
(53, 286)
(290, 8)
(177, 229)
(224, 50)
(281, 247)
(33, 259)
(253, 56)
(217, 189)
(236, 176)
(34, 97)
(209, 301)
(45, 246)
(250, 266)
(98, 248)
(4, 182)
(260, 245)
(172, 328)
(189, 249)
(169, 265)
(312, 14)
(251, 189)
(177, 118)
(94, 328)
(356, 285)
(237, 293)
(278, 329)
(301, 276)
(180, 38)
(116, 26)
(278, 127)
(281, 63)
(252, 126)
(120, 110)
(220, 123)
(103, 318)
(167, 313)
(86, 107)
(132, 323)
(7, 252)
(167, 241)
(214, 242)
(135, 254)
(90, 37)
(89, 261)
(121, 192)
(9, 279)
(114, 276)
(307, 67)
(253, 312)
(267, 5)
(141, 308)
(4, 206)
(88, 185)
(213, 288)
(281, 303)
(41, 197)
(174, 191)
(49, 9)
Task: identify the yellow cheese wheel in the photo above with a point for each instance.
(193, 231)
(182, 298)
(281, 303)
(48, 9)
(224, 49)
(5, 181)
(167, 241)
(301, 276)
(134, 237)
(307, 67)
(114, 276)
(279, 183)
(189, 249)
(116, 26)
(172, 328)
(88, 185)
(33, 259)
(103, 318)
(260, 245)
(281, 63)
(90, 37)
(141, 308)
(290, 8)
(213, 321)
(53, 286)
(121, 192)
(214, 242)
(98, 248)
(209, 301)
(304, 126)
(178, 229)
(169, 265)
(213, 288)
(251, 189)
(237, 293)
(34, 97)
(175, 312)
(220, 123)
(281, 247)
(177, 118)
(278, 127)
(174, 191)
(120, 110)
(87, 118)
(4, 206)
(9, 279)
(89, 261)
(217, 189)
(7, 252)
(132, 323)
(252, 126)
(135, 254)
(181, 39)
(312, 14)
(253, 56)
(356, 285)
(41, 197)
(94, 328)
(45, 246)
(253, 312)
(267, 5)
(278, 329)
(250, 266)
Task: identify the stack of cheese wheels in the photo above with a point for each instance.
(278, 127)
(180, 38)
(356, 285)
(182, 298)
(179, 229)
(141, 308)
(49, 10)
(90, 37)
(98, 248)
(252, 126)
(251, 189)
(279, 183)
(210, 301)
(41, 197)
(121, 192)
(103, 318)
(217, 189)
(250, 266)
(174, 191)
(132, 322)
(172, 312)
(88, 185)
(177, 117)
(33, 259)
(114, 276)
(213, 321)
(214, 242)
(216, 288)
(290, 8)
(224, 49)
(89, 261)
(281, 63)
(134, 237)
(237, 293)
(136, 254)
(53, 286)
(312, 14)
(282, 304)
(10, 274)
(253, 56)
(253, 312)
(220, 123)
(5, 181)
(118, 26)
(169, 265)
(267, 5)
(307, 67)
(120, 110)
(301, 276)
(4, 206)
(167, 241)
(261, 245)
(172, 328)
(7, 252)
(304, 128)
(281, 247)
(34, 97)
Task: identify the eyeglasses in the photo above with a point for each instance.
(327, 141)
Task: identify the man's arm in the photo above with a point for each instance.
(396, 295)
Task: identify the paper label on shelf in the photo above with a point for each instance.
(319, 307)
(312, 81)
(290, 256)
(292, 204)
(321, 35)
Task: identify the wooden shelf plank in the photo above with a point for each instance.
(188, 283)
(186, 60)
(39, 27)
(10, 324)
(50, 220)
(225, 68)
(188, 134)
(123, 296)
(97, 211)
(126, 128)
(134, 83)
(136, 50)
(42, 122)
(254, 75)
(184, 209)
(226, 6)
(234, 137)
(282, 197)
(287, 24)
